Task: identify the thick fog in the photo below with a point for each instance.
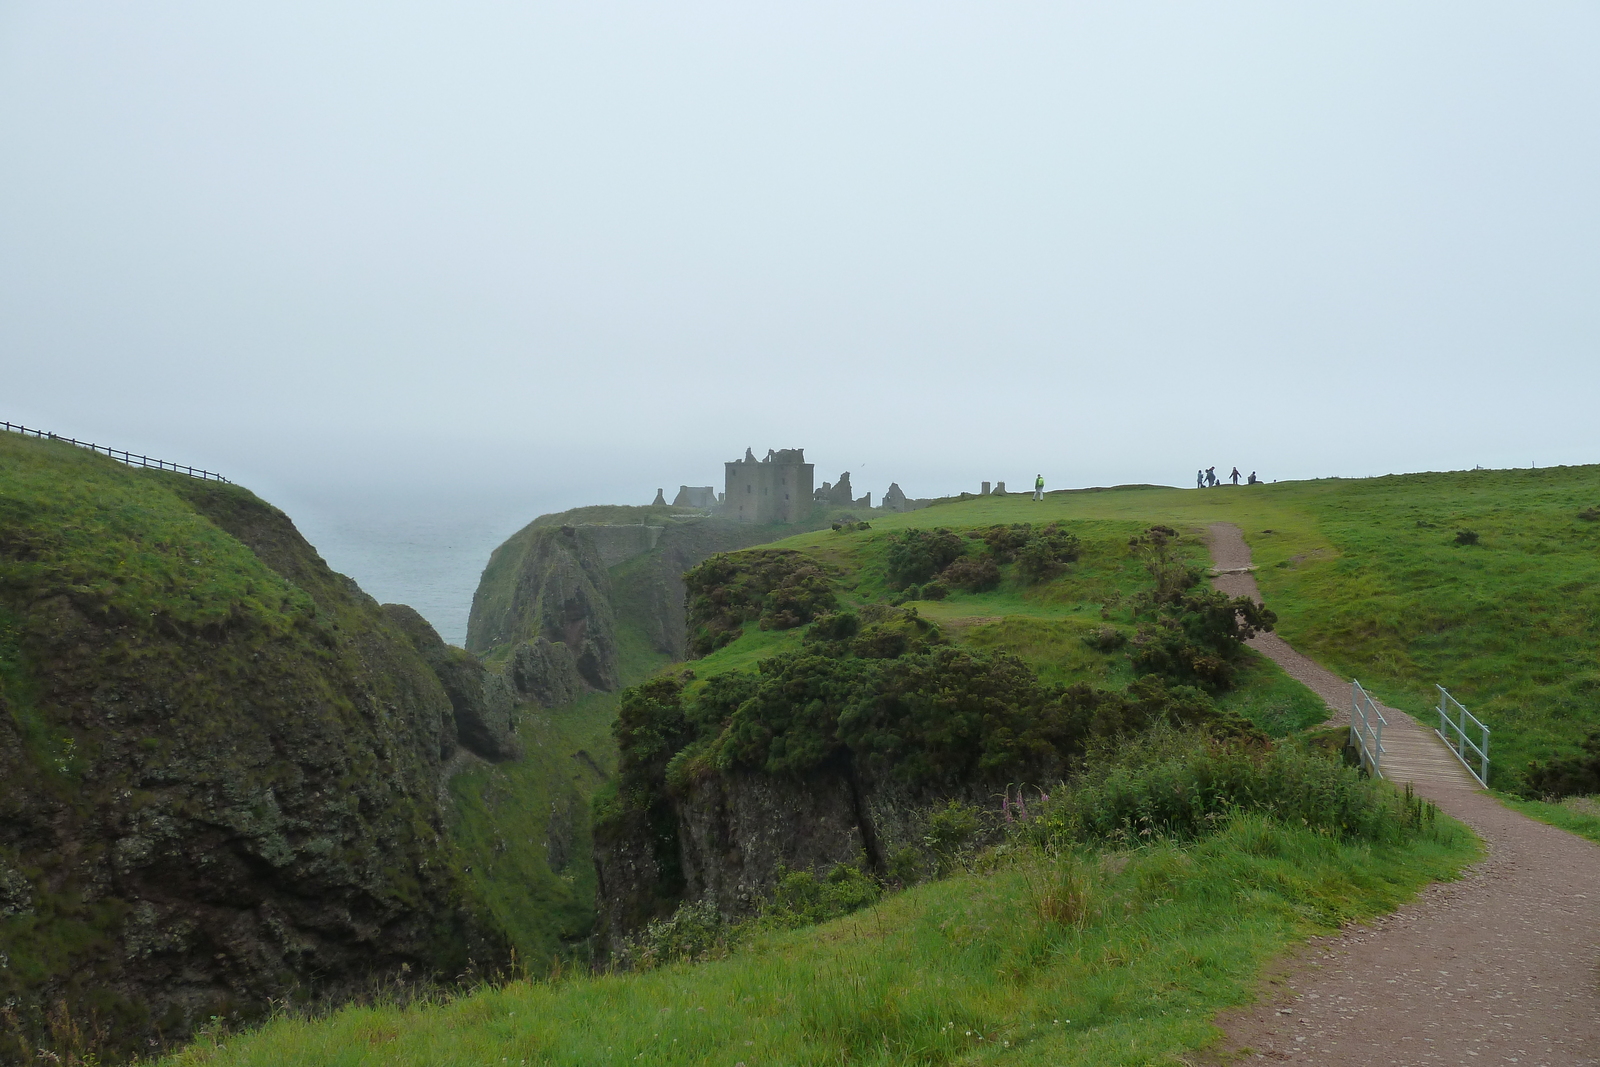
(473, 261)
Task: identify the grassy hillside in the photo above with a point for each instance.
(219, 763)
(1366, 576)
(1045, 623)
(1040, 955)
(1107, 951)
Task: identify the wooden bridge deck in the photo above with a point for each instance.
(1413, 753)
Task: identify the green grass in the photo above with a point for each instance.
(1043, 624)
(1271, 699)
(1366, 578)
(1578, 815)
(1101, 960)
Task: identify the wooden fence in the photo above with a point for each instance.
(130, 458)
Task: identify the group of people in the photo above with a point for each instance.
(1207, 479)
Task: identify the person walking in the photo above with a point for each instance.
(1211, 477)
(1038, 488)
(1235, 476)
(1199, 479)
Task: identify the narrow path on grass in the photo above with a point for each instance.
(1500, 967)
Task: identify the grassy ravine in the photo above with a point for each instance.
(979, 968)
(523, 826)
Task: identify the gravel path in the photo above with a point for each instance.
(1500, 967)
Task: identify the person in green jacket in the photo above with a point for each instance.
(1038, 488)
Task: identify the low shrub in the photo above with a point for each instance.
(1568, 776)
(778, 588)
(973, 575)
(950, 832)
(1466, 537)
(1590, 514)
(1040, 552)
(1197, 638)
(1105, 638)
(1157, 549)
(802, 899)
(1047, 552)
(1174, 784)
(1005, 542)
(695, 932)
(835, 626)
(915, 556)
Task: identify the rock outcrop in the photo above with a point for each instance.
(550, 582)
(481, 700)
(219, 764)
(574, 583)
(545, 673)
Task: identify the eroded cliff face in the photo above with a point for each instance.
(549, 582)
(219, 764)
(728, 838)
(571, 586)
(483, 702)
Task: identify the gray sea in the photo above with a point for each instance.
(428, 554)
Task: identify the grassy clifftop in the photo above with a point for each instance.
(219, 763)
(1366, 576)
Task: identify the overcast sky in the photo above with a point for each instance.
(562, 254)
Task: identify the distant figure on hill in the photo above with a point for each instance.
(1253, 479)
(1199, 479)
(1038, 488)
(1235, 476)
(1211, 477)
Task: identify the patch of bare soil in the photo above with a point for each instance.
(1500, 967)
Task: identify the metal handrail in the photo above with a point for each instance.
(121, 455)
(1366, 729)
(1462, 742)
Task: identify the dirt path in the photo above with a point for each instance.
(1500, 967)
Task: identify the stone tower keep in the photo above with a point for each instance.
(775, 489)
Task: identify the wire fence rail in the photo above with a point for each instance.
(1454, 722)
(132, 459)
(1366, 729)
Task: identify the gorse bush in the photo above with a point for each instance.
(1158, 549)
(972, 575)
(915, 556)
(1040, 552)
(778, 588)
(1197, 637)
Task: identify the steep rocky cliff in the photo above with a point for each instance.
(220, 763)
(575, 583)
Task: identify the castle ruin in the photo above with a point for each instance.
(778, 488)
